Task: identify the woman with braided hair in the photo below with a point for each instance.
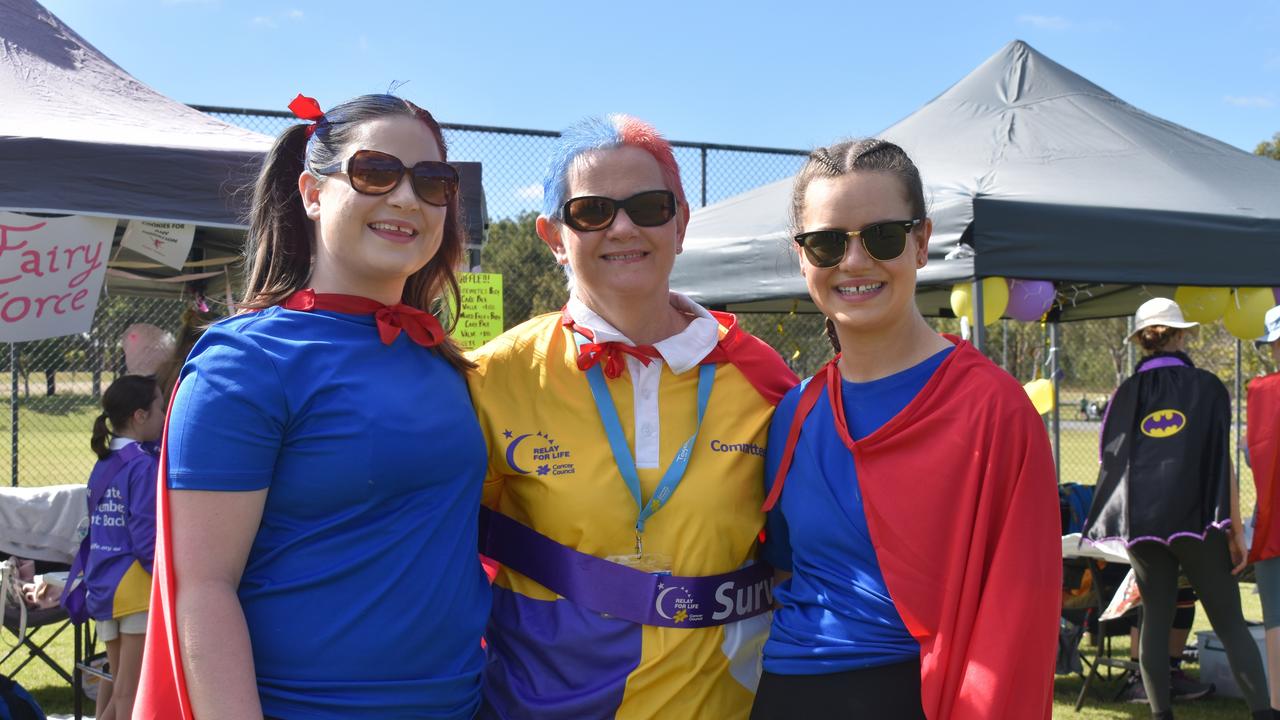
(916, 542)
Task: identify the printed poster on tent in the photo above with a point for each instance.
(170, 243)
(51, 273)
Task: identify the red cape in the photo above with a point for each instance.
(162, 687)
(960, 496)
(761, 364)
(1264, 457)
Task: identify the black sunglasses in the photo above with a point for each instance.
(883, 241)
(647, 209)
(377, 173)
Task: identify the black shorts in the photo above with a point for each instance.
(890, 692)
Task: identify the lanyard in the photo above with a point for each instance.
(622, 455)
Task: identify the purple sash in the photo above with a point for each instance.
(623, 592)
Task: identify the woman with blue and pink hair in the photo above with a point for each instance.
(625, 438)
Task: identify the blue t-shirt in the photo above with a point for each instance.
(363, 591)
(835, 612)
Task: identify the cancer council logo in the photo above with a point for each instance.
(1163, 423)
(536, 454)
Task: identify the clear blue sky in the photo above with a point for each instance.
(785, 73)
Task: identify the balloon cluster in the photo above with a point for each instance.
(1241, 310)
(1025, 300)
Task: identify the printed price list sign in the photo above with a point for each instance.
(481, 317)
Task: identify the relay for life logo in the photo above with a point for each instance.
(537, 453)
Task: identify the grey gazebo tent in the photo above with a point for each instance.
(79, 135)
(1031, 171)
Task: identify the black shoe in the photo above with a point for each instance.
(1182, 687)
(1132, 691)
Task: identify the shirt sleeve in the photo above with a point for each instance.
(476, 386)
(228, 418)
(142, 510)
(777, 536)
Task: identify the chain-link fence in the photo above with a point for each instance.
(58, 381)
(55, 387)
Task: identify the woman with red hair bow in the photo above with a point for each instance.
(316, 543)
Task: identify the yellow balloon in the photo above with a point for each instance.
(1202, 304)
(995, 298)
(1246, 312)
(1041, 394)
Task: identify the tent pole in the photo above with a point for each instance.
(13, 414)
(1057, 420)
(979, 322)
(1239, 374)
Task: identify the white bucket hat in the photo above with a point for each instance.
(1159, 311)
(1273, 327)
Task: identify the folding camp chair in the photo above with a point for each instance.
(88, 664)
(31, 630)
(1107, 578)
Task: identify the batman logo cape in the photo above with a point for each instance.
(1264, 454)
(1156, 483)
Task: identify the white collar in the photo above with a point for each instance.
(682, 351)
(120, 442)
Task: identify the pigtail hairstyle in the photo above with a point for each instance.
(127, 395)
(867, 155)
(279, 248)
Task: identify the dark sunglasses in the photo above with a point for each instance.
(647, 209)
(377, 173)
(883, 241)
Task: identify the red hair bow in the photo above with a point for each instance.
(306, 108)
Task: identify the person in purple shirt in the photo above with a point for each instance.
(122, 530)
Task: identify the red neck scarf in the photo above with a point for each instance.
(610, 353)
(422, 327)
(757, 361)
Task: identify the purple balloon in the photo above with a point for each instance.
(1029, 299)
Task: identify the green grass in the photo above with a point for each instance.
(50, 690)
(1098, 705)
(55, 696)
(53, 440)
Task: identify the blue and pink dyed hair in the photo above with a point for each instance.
(603, 133)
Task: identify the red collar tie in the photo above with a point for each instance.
(610, 353)
(422, 327)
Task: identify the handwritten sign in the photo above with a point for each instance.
(51, 273)
(481, 317)
(169, 243)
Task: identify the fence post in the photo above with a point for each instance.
(1128, 345)
(1004, 345)
(1057, 420)
(704, 176)
(13, 414)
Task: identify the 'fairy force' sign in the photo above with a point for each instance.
(51, 273)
